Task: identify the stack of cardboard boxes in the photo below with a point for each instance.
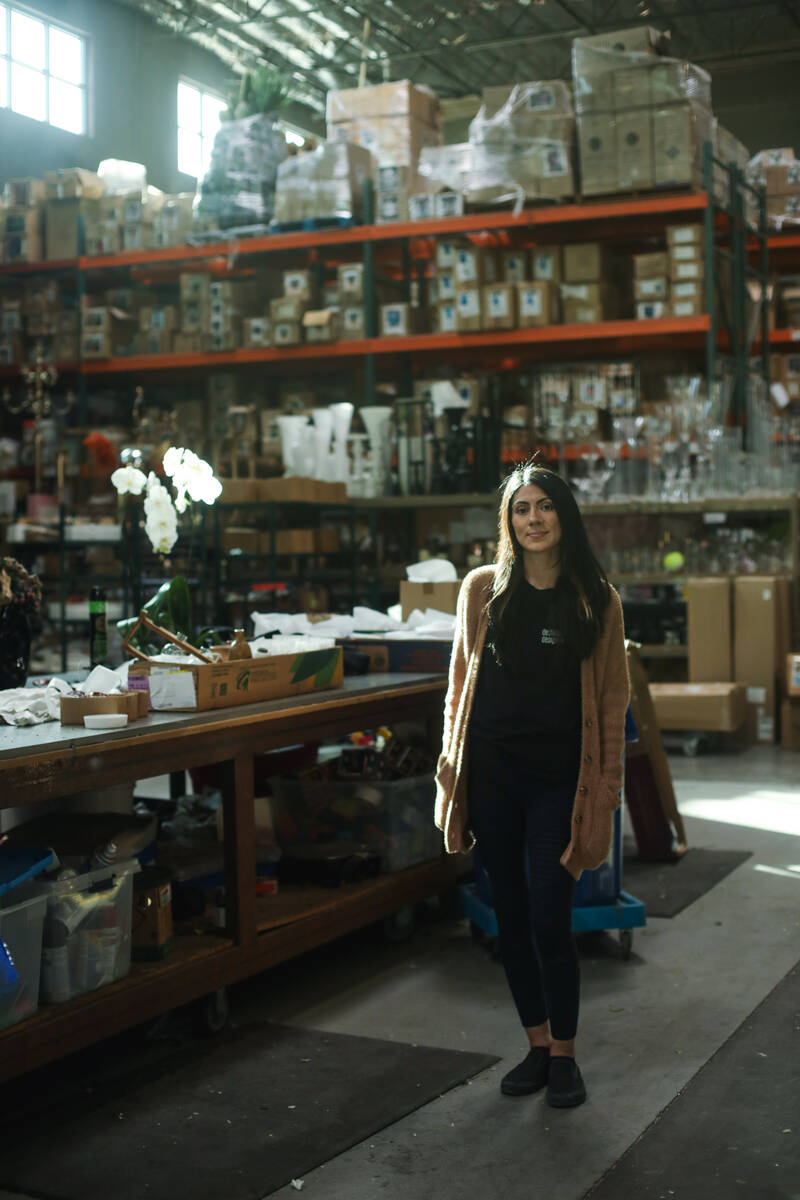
(671, 282)
(591, 287)
(739, 634)
(779, 172)
(22, 220)
(642, 118)
(323, 184)
(41, 312)
(394, 121)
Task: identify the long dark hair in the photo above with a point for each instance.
(581, 594)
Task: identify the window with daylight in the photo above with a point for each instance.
(199, 114)
(42, 70)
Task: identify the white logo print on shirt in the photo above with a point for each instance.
(551, 637)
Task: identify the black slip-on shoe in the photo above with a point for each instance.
(565, 1086)
(529, 1076)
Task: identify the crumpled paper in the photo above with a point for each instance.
(35, 705)
(432, 570)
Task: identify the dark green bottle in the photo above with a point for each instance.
(98, 629)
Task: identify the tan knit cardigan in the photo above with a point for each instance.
(605, 689)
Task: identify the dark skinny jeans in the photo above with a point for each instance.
(515, 818)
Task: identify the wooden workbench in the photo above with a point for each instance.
(47, 761)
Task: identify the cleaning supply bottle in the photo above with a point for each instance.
(98, 628)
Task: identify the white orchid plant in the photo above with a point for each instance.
(191, 477)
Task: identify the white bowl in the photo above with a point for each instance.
(106, 721)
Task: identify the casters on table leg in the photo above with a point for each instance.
(626, 943)
(212, 1012)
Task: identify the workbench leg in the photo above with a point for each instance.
(240, 856)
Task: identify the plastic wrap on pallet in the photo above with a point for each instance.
(778, 171)
(326, 182)
(643, 149)
(239, 186)
(524, 147)
(612, 80)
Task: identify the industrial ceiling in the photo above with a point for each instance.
(457, 47)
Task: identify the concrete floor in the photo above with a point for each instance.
(647, 1025)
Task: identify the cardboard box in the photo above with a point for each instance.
(686, 308)
(469, 312)
(790, 725)
(499, 306)
(294, 541)
(353, 324)
(327, 541)
(475, 266)
(286, 333)
(23, 193)
(397, 320)
(648, 266)
(686, 270)
(634, 150)
(536, 304)
(546, 264)
(711, 707)
(416, 654)
(761, 642)
(690, 252)
(75, 708)
(240, 491)
(298, 284)
(441, 596)
(632, 86)
(656, 288)
(351, 283)
(583, 303)
(686, 235)
(221, 685)
(447, 252)
(597, 152)
(587, 262)
(321, 325)
(710, 630)
(447, 317)
(679, 131)
(422, 207)
(256, 332)
(156, 341)
(514, 266)
(793, 674)
(637, 39)
(446, 284)
(240, 538)
(287, 308)
(651, 310)
(448, 204)
(400, 98)
(165, 317)
(195, 286)
(71, 182)
(62, 226)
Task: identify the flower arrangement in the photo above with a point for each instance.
(190, 476)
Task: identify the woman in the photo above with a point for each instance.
(531, 763)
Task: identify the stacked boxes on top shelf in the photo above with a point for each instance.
(44, 312)
(687, 269)
(323, 184)
(779, 172)
(642, 118)
(23, 221)
(394, 121)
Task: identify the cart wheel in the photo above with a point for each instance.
(400, 925)
(626, 943)
(212, 1012)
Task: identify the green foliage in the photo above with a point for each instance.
(263, 91)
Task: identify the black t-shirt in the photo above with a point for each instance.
(528, 704)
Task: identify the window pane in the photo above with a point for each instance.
(3, 47)
(66, 56)
(3, 82)
(28, 93)
(212, 107)
(188, 108)
(27, 40)
(189, 153)
(66, 106)
(207, 147)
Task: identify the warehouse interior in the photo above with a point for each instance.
(287, 290)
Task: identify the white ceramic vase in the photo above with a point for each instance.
(291, 431)
(342, 416)
(377, 420)
(323, 429)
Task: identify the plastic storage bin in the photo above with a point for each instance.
(393, 818)
(21, 934)
(86, 940)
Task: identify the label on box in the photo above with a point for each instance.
(295, 283)
(172, 689)
(554, 158)
(420, 208)
(351, 280)
(575, 291)
(683, 253)
(688, 270)
(714, 518)
(469, 303)
(447, 285)
(650, 310)
(445, 253)
(544, 265)
(447, 317)
(540, 99)
(389, 206)
(353, 319)
(684, 290)
(655, 288)
(756, 695)
(283, 332)
(394, 318)
(683, 234)
(530, 302)
(449, 204)
(498, 303)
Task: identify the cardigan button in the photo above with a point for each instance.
(587, 758)
(578, 819)
(583, 790)
(588, 722)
